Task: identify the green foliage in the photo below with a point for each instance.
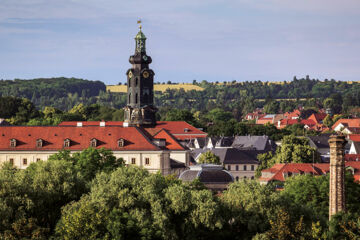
(90, 161)
(209, 157)
(130, 203)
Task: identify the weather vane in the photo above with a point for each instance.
(139, 22)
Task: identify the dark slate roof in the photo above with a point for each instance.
(207, 173)
(321, 141)
(189, 175)
(357, 147)
(231, 155)
(201, 142)
(225, 142)
(252, 142)
(211, 176)
(176, 164)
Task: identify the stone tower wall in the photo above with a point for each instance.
(337, 175)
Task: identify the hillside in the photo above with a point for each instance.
(157, 87)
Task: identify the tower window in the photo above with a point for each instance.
(39, 143)
(121, 142)
(129, 97)
(136, 82)
(13, 143)
(136, 98)
(93, 142)
(67, 142)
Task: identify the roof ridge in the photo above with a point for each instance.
(146, 137)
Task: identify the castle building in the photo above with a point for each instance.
(139, 140)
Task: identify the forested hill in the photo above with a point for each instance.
(236, 97)
(58, 92)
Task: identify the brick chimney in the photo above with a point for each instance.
(337, 175)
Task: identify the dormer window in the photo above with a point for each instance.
(67, 142)
(121, 142)
(93, 142)
(13, 142)
(186, 130)
(39, 143)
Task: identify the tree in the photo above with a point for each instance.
(90, 161)
(209, 157)
(130, 203)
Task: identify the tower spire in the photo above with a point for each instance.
(140, 109)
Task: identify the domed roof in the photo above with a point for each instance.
(140, 35)
(207, 173)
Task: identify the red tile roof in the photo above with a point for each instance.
(180, 129)
(317, 117)
(354, 137)
(80, 137)
(353, 123)
(302, 168)
(171, 142)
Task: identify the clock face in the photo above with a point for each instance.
(130, 74)
(145, 57)
(146, 74)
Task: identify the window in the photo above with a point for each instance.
(121, 142)
(39, 143)
(67, 142)
(244, 177)
(11, 160)
(133, 161)
(147, 161)
(13, 143)
(252, 177)
(237, 167)
(244, 167)
(136, 98)
(252, 167)
(229, 167)
(24, 161)
(93, 142)
(237, 178)
(38, 159)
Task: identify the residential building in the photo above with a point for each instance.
(280, 171)
(240, 163)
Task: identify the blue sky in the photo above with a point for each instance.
(243, 40)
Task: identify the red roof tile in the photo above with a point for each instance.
(80, 137)
(180, 129)
(353, 123)
(171, 142)
(354, 137)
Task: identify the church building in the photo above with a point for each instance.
(140, 140)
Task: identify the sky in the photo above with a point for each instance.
(213, 40)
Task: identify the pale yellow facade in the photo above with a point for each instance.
(153, 161)
(242, 171)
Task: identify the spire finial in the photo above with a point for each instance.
(139, 22)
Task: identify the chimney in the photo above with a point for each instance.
(337, 175)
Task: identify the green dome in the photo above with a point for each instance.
(140, 35)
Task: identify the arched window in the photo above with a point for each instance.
(121, 142)
(129, 97)
(39, 143)
(93, 142)
(136, 98)
(136, 82)
(13, 142)
(237, 178)
(67, 142)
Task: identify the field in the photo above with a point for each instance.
(157, 87)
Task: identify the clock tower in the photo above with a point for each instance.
(140, 110)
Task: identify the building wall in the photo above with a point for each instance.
(158, 160)
(181, 156)
(241, 173)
